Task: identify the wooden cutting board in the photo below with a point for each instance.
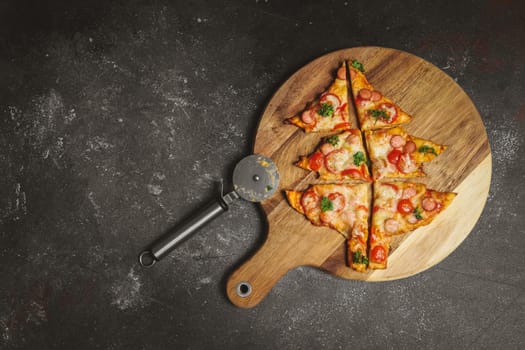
(442, 112)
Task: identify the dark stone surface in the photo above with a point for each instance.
(117, 120)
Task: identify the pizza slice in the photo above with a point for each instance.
(330, 111)
(374, 110)
(339, 158)
(396, 154)
(401, 207)
(342, 207)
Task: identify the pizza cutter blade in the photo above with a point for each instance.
(255, 178)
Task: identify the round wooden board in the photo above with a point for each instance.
(442, 112)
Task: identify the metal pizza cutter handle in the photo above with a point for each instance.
(255, 178)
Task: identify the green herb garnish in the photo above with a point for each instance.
(417, 213)
(326, 204)
(379, 114)
(326, 110)
(357, 65)
(427, 149)
(269, 188)
(359, 258)
(359, 157)
(333, 140)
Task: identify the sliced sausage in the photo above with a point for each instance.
(397, 141)
(409, 192)
(376, 96)
(352, 74)
(353, 139)
(327, 148)
(410, 147)
(429, 203)
(341, 73)
(308, 117)
(365, 94)
(391, 225)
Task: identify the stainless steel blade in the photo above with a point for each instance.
(255, 178)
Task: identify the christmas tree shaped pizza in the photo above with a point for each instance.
(374, 110)
(396, 154)
(330, 111)
(342, 207)
(398, 208)
(339, 158)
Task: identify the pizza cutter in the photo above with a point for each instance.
(255, 178)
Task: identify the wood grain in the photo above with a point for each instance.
(442, 112)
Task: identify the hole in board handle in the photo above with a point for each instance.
(244, 289)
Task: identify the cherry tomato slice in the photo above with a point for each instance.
(378, 254)
(393, 156)
(316, 161)
(404, 206)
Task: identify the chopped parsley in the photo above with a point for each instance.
(427, 149)
(333, 140)
(359, 258)
(326, 204)
(326, 110)
(359, 157)
(269, 188)
(379, 114)
(417, 213)
(357, 65)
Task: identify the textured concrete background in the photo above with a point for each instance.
(117, 120)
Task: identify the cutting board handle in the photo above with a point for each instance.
(254, 279)
(287, 246)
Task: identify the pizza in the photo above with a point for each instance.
(396, 154)
(330, 111)
(342, 207)
(374, 110)
(339, 157)
(398, 208)
(350, 163)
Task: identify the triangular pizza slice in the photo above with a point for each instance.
(340, 158)
(374, 110)
(342, 207)
(330, 111)
(398, 208)
(396, 154)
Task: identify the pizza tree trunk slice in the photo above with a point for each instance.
(330, 111)
(340, 158)
(374, 110)
(342, 207)
(398, 208)
(396, 154)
